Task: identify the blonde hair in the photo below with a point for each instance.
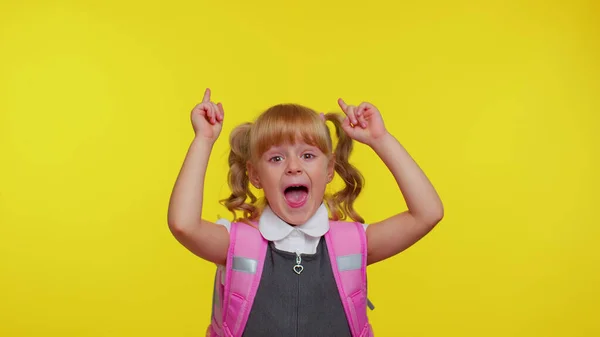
(289, 123)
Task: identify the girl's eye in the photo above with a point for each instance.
(308, 156)
(276, 159)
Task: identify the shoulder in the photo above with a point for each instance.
(225, 223)
(345, 223)
(228, 224)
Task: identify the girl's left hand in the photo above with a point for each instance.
(363, 123)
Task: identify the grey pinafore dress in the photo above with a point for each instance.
(292, 305)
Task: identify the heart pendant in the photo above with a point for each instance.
(298, 269)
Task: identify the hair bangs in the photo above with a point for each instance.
(288, 124)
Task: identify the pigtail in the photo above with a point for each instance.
(238, 179)
(341, 203)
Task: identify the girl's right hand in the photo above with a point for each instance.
(207, 118)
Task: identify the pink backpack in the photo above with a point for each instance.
(236, 284)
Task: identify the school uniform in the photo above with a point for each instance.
(289, 303)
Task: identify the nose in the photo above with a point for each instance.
(293, 167)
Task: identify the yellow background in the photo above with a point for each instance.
(497, 101)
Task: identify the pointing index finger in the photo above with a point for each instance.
(342, 104)
(206, 97)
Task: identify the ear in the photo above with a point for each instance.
(253, 175)
(331, 169)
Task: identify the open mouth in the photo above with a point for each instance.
(296, 195)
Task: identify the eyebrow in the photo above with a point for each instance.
(303, 147)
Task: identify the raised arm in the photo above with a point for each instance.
(393, 235)
(203, 238)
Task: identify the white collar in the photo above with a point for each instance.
(273, 228)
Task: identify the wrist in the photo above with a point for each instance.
(382, 142)
(203, 141)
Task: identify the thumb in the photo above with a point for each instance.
(347, 127)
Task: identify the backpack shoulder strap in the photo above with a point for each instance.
(347, 247)
(244, 266)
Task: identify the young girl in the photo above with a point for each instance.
(290, 266)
